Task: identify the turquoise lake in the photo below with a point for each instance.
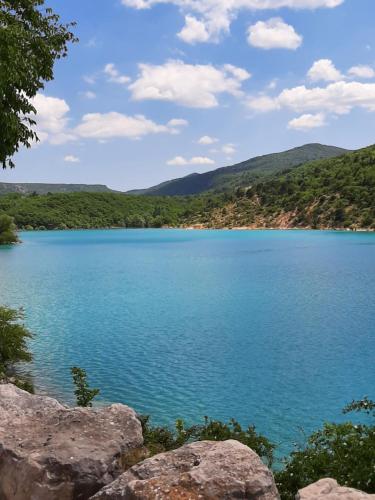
(275, 328)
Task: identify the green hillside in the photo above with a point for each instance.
(40, 188)
(334, 193)
(242, 174)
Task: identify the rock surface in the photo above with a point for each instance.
(50, 452)
(203, 470)
(329, 489)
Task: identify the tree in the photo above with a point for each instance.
(83, 393)
(7, 230)
(32, 38)
(13, 338)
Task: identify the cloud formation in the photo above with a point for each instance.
(114, 75)
(196, 160)
(274, 34)
(208, 20)
(194, 86)
(362, 71)
(52, 123)
(307, 122)
(336, 98)
(324, 70)
(52, 119)
(207, 140)
(71, 159)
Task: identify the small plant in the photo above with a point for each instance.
(83, 393)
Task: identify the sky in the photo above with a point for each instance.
(158, 89)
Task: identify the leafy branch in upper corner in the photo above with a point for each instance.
(31, 40)
(83, 393)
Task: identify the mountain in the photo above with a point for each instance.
(242, 174)
(29, 188)
(331, 193)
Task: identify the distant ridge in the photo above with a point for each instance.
(244, 173)
(41, 188)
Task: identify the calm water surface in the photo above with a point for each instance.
(274, 328)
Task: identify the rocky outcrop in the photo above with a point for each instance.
(329, 489)
(50, 452)
(203, 470)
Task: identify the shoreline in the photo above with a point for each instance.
(202, 228)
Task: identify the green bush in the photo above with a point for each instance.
(13, 346)
(7, 230)
(161, 439)
(345, 452)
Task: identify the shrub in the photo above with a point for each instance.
(7, 230)
(344, 452)
(161, 439)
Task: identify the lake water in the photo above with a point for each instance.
(270, 327)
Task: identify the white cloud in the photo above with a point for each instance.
(262, 104)
(274, 34)
(195, 86)
(307, 122)
(89, 95)
(194, 31)
(362, 71)
(52, 123)
(71, 159)
(207, 140)
(195, 160)
(51, 119)
(324, 70)
(114, 75)
(336, 99)
(207, 20)
(229, 149)
(112, 125)
(178, 122)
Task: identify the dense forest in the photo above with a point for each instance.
(332, 193)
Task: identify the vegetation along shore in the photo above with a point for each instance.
(333, 193)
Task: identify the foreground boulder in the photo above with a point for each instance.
(203, 470)
(329, 489)
(50, 452)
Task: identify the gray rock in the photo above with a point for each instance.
(329, 489)
(50, 452)
(203, 470)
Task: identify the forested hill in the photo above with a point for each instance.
(40, 188)
(244, 173)
(334, 193)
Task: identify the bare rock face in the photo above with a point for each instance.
(203, 470)
(50, 452)
(329, 489)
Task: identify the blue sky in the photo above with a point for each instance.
(157, 89)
